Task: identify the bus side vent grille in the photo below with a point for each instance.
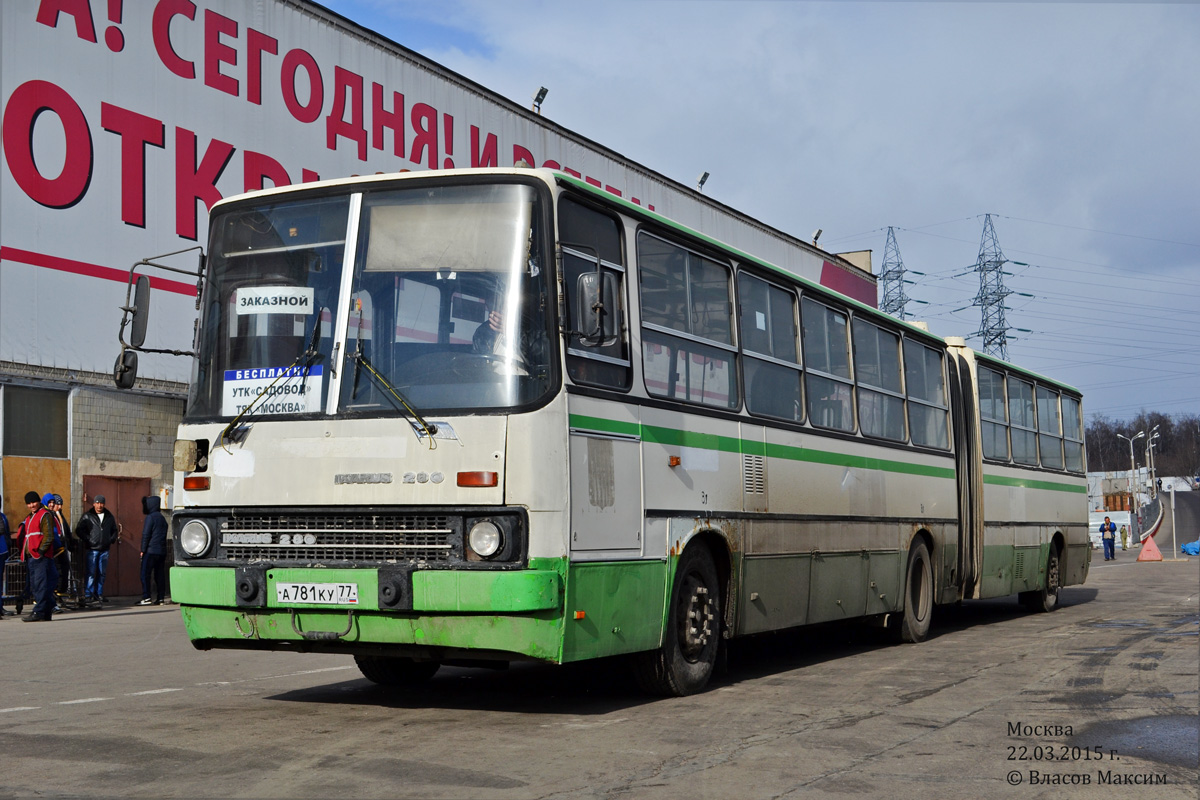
(754, 478)
(1019, 566)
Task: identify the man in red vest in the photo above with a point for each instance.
(38, 553)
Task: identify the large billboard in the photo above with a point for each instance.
(123, 121)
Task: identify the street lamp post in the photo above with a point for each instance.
(1132, 469)
(1154, 437)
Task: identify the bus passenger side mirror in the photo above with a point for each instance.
(597, 309)
(140, 312)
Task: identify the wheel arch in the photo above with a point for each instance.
(1058, 541)
(721, 550)
(923, 534)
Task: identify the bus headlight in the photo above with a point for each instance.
(485, 538)
(195, 537)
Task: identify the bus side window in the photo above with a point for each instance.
(826, 341)
(992, 412)
(877, 370)
(687, 327)
(1050, 443)
(1073, 433)
(1022, 418)
(771, 359)
(586, 234)
(928, 412)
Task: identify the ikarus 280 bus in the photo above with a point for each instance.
(493, 415)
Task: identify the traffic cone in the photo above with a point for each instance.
(1150, 551)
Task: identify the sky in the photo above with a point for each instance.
(1074, 125)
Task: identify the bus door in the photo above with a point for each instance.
(969, 469)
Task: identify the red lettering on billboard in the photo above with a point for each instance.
(382, 118)
(217, 53)
(309, 176)
(522, 154)
(346, 83)
(257, 43)
(26, 104)
(112, 34)
(293, 61)
(487, 156)
(425, 135)
(448, 136)
(164, 12)
(196, 181)
(136, 131)
(257, 167)
(81, 10)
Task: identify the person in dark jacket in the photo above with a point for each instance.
(154, 551)
(4, 536)
(62, 562)
(98, 528)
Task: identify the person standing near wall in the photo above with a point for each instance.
(62, 562)
(4, 535)
(154, 550)
(39, 555)
(98, 528)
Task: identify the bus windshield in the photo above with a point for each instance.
(446, 309)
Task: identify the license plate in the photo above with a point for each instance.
(333, 594)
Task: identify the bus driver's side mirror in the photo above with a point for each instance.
(140, 312)
(596, 309)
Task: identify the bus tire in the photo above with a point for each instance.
(1045, 600)
(918, 594)
(399, 672)
(686, 660)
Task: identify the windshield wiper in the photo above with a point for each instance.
(428, 428)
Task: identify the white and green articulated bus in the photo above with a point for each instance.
(496, 415)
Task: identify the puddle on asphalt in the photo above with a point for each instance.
(1170, 739)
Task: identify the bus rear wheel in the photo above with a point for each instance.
(400, 672)
(1045, 600)
(918, 595)
(685, 661)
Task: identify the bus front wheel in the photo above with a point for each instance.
(685, 661)
(399, 672)
(918, 595)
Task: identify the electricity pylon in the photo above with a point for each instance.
(992, 293)
(892, 273)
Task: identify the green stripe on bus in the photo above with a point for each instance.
(1029, 483)
(602, 425)
(730, 444)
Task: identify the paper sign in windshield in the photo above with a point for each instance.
(288, 390)
(274, 300)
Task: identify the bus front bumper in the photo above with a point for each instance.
(448, 613)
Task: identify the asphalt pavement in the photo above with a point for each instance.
(1097, 699)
